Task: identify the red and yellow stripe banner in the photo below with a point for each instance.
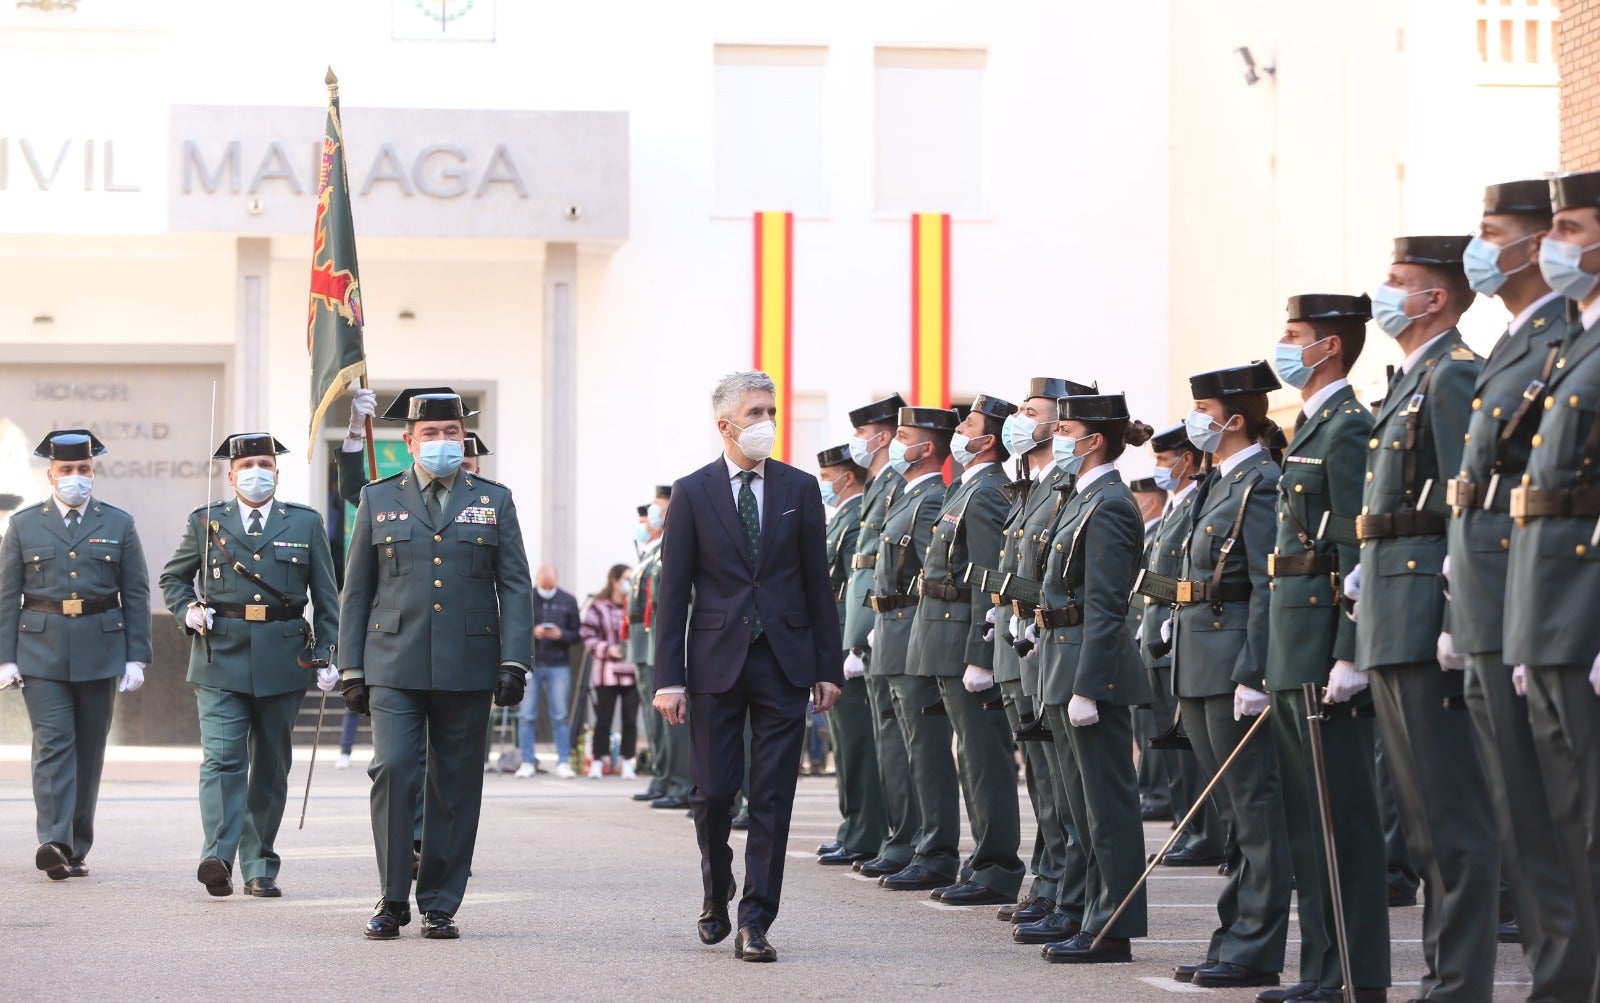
(774, 313)
(930, 309)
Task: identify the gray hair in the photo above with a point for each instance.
(730, 391)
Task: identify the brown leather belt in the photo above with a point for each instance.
(1557, 503)
(71, 607)
(859, 561)
(1301, 565)
(1464, 494)
(1393, 524)
(945, 592)
(1192, 592)
(258, 613)
(888, 604)
(1050, 619)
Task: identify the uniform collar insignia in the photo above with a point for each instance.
(1538, 322)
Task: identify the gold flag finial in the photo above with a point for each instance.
(332, 82)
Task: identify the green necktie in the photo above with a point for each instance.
(72, 519)
(751, 517)
(436, 500)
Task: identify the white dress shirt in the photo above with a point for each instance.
(1591, 315)
(1231, 463)
(1320, 398)
(1528, 311)
(245, 508)
(1088, 477)
(64, 508)
(1416, 356)
(757, 485)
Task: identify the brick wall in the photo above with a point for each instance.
(1578, 57)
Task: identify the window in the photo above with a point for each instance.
(770, 142)
(1517, 41)
(929, 130)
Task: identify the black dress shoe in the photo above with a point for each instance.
(76, 868)
(1034, 911)
(387, 919)
(1224, 868)
(1227, 975)
(1509, 932)
(877, 867)
(645, 796)
(1189, 858)
(1401, 899)
(938, 893)
(262, 888)
(751, 945)
(740, 821)
(1297, 991)
(1080, 950)
(671, 801)
(1155, 813)
(216, 875)
(1185, 973)
(827, 848)
(1327, 995)
(1054, 927)
(438, 925)
(713, 924)
(843, 857)
(1005, 912)
(914, 878)
(974, 894)
(52, 860)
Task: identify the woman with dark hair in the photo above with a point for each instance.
(1090, 673)
(1219, 636)
(611, 674)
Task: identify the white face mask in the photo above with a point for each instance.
(74, 489)
(756, 441)
(547, 594)
(255, 484)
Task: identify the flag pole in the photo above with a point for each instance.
(372, 450)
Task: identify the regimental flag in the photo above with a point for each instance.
(930, 309)
(774, 319)
(333, 327)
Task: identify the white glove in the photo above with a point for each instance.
(200, 618)
(1247, 702)
(1345, 681)
(1032, 633)
(327, 678)
(1594, 676)
(1444, 569)
(1448, 659)
(527, 678)
(870, 635)
(988, 618)
(1352, 584)
(1519, 679)
(132, 677)
(854, 667)
(10, 675)
(1082, 711)
(977, 680)
(1016, 625)
(363, 405)
(1166, 631)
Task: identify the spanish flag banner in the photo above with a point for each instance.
(930, 309)
(774, 313)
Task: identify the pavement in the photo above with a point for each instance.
(577, 893)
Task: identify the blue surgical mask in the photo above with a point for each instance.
(1289, 361)
(1017, 433)
(897, 457)
(830, 497)
(641, 534)
(959, 451)
(1560, 264)
(255, 484)
(74, 489)
(1165, 479)
(1482, 262)
(1064, 448)
(1389, 309)
(860, 452)
(655, 515)
(1202, 435)
(440, 457)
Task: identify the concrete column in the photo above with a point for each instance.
(558, 426)
(253, 264)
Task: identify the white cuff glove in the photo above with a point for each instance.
(10, 675)
(1166, 631)
(199, 618)
(1015, 626)
(1248, 702)
(1352, 584)
(854, 667)
(870, 635)
(1519, 679)
(1082, 711)
(988, 618)
(132, 677)
(977, 680)
(1448, 659)
(1345, 681)
(363, 405)
(1594, 676)
(327, 678)
(1444, 569)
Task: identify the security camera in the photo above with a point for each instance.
(1248, 68)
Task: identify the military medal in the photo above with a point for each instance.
(380, 516)
(404, 516)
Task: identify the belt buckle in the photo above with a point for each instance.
(1272, 565)
(1185, 593)
(1519, 503)
(1360, 528)
(72, 607)
(1534, 391)
(255, 613)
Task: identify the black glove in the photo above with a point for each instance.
(354, 692)
(1023, 646)
(1160, 649)
(508, 686)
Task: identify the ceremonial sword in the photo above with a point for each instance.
(1325, 812)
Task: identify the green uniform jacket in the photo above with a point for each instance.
(1479, 538)
(1402, 597)
(1136, 605)
(352, 474)
(843, 531)
(858, 618)
(907, 528)
(292, 556)
(1097, 657)
(1165, 558)
(641, 607)
(1555, 564)
(1046, 500)
(435, 607)
(101, 558)
(1218, 646)
(1323, 471)
(1008, 664)
(948, 636)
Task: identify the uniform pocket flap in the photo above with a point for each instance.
(388, 532)
(38, 555)
(385, 621)
(707, 619)
(111, 621)
(292, 555)
(1403, 557)
(31, 622)
(104, 554)
(478, 536)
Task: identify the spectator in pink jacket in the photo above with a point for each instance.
(611, 674)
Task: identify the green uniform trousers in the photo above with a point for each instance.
(1400, 875)
(655, 730)
(1095, 764)
(988, 783)
(247, 747)
(935, 785)
(1558, 935)
(1449, 825)
(855, 764)
(1155, 786)
(1253, 909)
(1205, 834)
(900, 815)
(71, 722)
(1357, 836)
(1050, 849)
(449, 725)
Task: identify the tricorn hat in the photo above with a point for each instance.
(878, 412)
(1575, 191)
(834, 456)
(1256, 378)
(1330, 306)
(237, 447)
(1524, 198)
(1053, 386)
(1175, 437)
(1436, 252)
(1093, 407)
(70, 444)
(993, 407)
(664, 491)
(473, 445)
(428, 404)
(1146, 485)
(935, 419)
(644, 510)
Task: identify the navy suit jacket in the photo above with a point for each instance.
(704, 562)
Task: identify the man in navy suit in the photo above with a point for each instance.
(745, 540)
